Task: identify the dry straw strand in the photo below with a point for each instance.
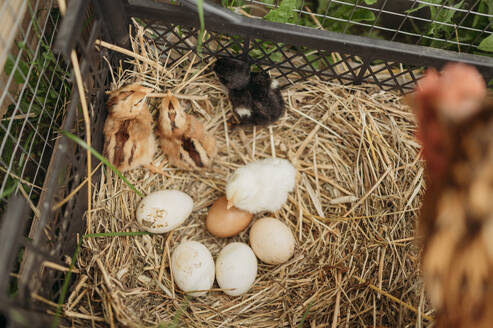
(359, 191)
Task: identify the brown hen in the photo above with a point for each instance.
(455, 128)
(129, 141)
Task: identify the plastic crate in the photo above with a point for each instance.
(52, 233)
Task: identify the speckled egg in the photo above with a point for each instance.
(162, 211)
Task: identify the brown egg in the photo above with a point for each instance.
(222, 222)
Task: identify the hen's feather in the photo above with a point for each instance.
(455, 126)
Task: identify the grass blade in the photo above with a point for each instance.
(305, 315)
(63, 292)
(116, 234)
(83, 144)
(200, 9)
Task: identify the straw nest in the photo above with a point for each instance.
(353, 214)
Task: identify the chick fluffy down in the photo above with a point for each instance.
(262, 185)
(183, 138)
(129, 141)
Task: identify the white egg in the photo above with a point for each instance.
(236, 268)
(162, 211)
(272, 241)
(192, 267)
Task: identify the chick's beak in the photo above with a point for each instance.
(231, 201)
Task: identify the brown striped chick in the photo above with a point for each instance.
(129, 141)
(183, 138)
(173, 121)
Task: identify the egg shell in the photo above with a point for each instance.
(162, 211)
(192, 267)
(222, 222)
(272, 241)
(236, 268)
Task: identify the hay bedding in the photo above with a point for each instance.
(353, 214)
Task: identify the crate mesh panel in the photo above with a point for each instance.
(455, 25)
(37, 100)
(287, 63)
(58, 237)
(32, 96)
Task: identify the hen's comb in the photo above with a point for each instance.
(457, 92)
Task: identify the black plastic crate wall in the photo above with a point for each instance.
(33, 93)
(34, 90)
(379, 49)
(29, 279)
(290, 51)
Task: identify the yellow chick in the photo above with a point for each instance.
(262, 185)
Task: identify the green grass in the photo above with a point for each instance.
(450, 16)
(284, 13)
(176, 322)
(46, 90)
(103, 159)
(200, 10)
(116, 234)
(305, 315)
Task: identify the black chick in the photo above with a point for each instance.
(233, 73)
(256, 99)
(267, 105)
